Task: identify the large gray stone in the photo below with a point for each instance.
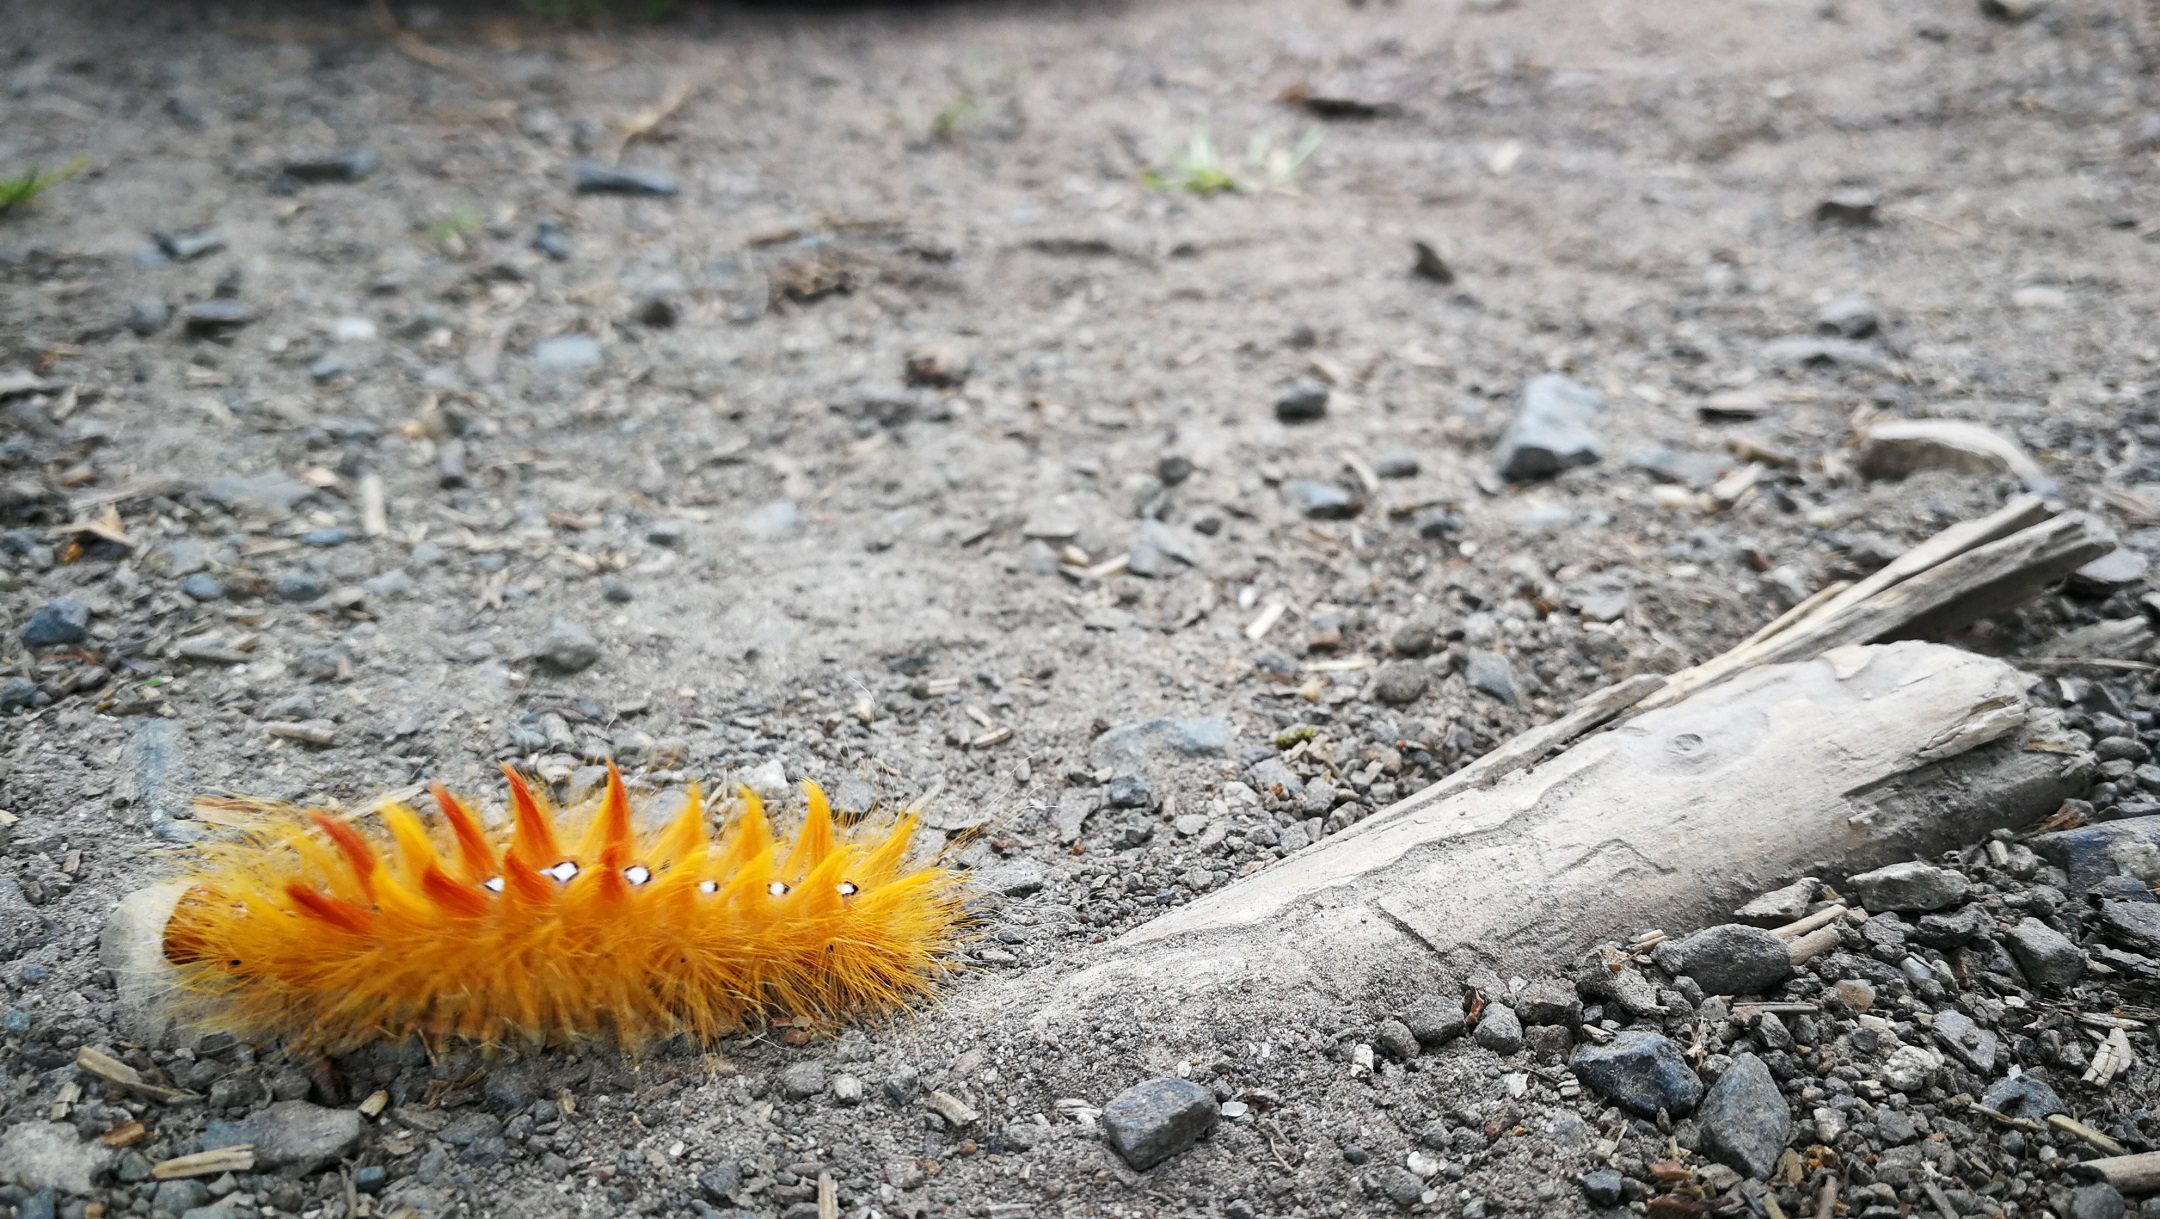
(1640, 1071)
(566, 646)
(292, 1136)
(1152, 1121)
(1976, 1047)
(38, 1155)
(1744, 1120)
(1551, 431)
(1735, 959)
(2022, 1096)
(2134, 925)
(1909, 886)
(2091, 854)
(2045, 954)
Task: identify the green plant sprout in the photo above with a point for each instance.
(26, 188)
(1199, 168)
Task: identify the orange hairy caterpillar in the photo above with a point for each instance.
(570, 926)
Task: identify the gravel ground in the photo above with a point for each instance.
(920, 443)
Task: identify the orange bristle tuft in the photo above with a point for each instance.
(333, 937)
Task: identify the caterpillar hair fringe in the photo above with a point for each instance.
(570, 926)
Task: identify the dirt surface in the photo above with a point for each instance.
(920, 438)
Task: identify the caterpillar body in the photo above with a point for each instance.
(570, 926)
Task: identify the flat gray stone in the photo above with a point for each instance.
(566, 647)
(272, 496)
(2093, 853)
(1967, 1042)
(1435, 1019)
(1780, 906)
(2134, 925)
(1197, 737)
(1744, 1120)
(2022, 1096)
(1499, 1029)
(295, 1136)
(1910, 886)
(1735, 959)
(1640, 1071)
(50, 1155)
(1399, 682)
(1551, 431)
(1152, 1121)
(1491, 673)
(567, 353)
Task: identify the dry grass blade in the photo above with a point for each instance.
(642, 124)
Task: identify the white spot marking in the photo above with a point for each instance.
(564, 871)
(493, 884)
(708, 886)
(777, 888)
(848, 889)
(637, 874)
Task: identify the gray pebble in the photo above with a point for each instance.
(1551, 431)
(1744, 1120)
(1399, 1186)
(2048, 959)
(2097, 1201)
(1152, 1121)
(1394, 1039)
(1304, 402)
(1640, 1071)
(567, 353)
(1735, 959)
(1491, 673)
(1910, 886)
(1321, 501)
(1435, 1019)
(566, 647)
(59, 621)
(148, 315)
(801, 1080)
(298, 586)
(1499, 1030)
(345, 165)
(1399, 682)
(1130, 791)
(1396, 463)
(593, 178)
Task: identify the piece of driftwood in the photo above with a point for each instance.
(2132, 1174)
(1963, 574)
(1864, 756)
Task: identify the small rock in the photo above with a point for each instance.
(18, 693)
(567, 353)
(1551, 431)
(614, 588)
(1396, 463)
(1549, 1001)
(272, 496)
(1855, 993)
(1744, 1120)
(1394, 1039)
(187, 247)
(1602, 1187)
(566, 646)
(148, 315)
(1821, 351)
(1853, 207)
(1399, 1186)
(215, 317)
(1640, 1071)
(1130, 791)
(299, 586)
(2048, 959)
(1304, 402)
(385, 585)
(550, 240)
(57, 622)
(1399, 682)
(1427, 263)
(802, 1080)
(776, 519)
(1499, 1029)
(1321, 501)
(50, 1155)
(2116, 570)
(593, 178)
(2097, 1201)
(1414, 638)
(1152, 1121)
(720, 1182)
(1205, 736)
(1780, 906)
(1491, 673)
(1909, 1067)
(847, 1090)
(1736, 959)
(667, 531)
(1854, 317)
(1435, 1019)
(297, 1136)
(2133, 924)
(1947, 931)
(349, 165)
(2011, 11)
(1970, 1044)
(2022, 1096)
(1911, 886)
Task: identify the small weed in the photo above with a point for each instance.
(956, 111)
(454, 226)
(26, 188)
(1199, 169)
